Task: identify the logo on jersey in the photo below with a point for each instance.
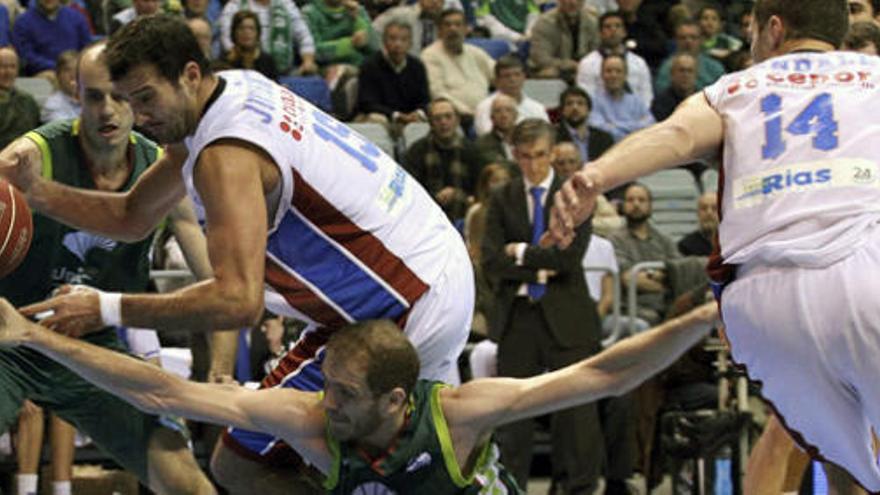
(423, 459)
(81, 243)
(373, 488)
(755, 189)
(394, 193)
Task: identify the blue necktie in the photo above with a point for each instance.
(536, 290)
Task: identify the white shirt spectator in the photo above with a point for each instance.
(589, 75)
(527, 109)
(59, 106)
(600, 253)
(603, 6)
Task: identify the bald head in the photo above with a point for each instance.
(202, 31)
(503, 113)
(8, 68)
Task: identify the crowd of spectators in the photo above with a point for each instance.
(625, 64)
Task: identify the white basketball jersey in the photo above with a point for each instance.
(801, 182)
(354, 236)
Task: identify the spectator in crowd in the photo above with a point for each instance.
(19, 111)
(688, 40)
(246, 52)
(739, 60)
(45, 30)
(602, 6)
(457, 71)
(715, 41)
(392, 84)
(202, 30)
(423, 19)
(863, 37)
(491, 177)
(509, 20)
(644, 28)
(591, 142)
(616, 110)
(543, 317)
(863, 11)
(64, 102)
(746, 18)
(639, 241)
(139, 8)
(560, 38)
(510, 76)
(342, 31)
(283, 32)
(612, 34)
(209, 12)
(699, 242)
(682, 83)
(444, 162)
(495, 146)
(4, 26)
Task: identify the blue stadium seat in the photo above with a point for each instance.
(312, 88)
(495, 48)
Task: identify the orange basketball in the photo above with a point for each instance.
(16, 228)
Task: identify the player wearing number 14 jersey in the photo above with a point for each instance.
(799, 238)
(301, 212)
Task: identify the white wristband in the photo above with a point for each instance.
(111, 308)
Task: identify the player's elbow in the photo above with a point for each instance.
(242, 306)
(681, 139)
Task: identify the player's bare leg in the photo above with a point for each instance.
(172, 469)
(240, 476)
(769, 461)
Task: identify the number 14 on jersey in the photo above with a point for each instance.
(816, 120)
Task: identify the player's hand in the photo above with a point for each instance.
(308, 67)
(573, 204)
(74, 311)
(13, 326)
(18, 171)
(707, 313)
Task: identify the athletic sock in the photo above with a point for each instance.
(27, 484)
(61, 488)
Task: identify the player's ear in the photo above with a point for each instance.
(192, 74)
(397, 398)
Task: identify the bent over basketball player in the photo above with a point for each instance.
(300, 211)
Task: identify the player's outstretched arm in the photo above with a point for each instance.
(235, 206)
(482, 405)
(695, 130)
(293, 415)
(126, 216)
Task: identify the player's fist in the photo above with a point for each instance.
(19, 170)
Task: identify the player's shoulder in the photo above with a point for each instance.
(63, 128)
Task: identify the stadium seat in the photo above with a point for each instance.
(413, 132)
(494, 47)
(545, 91)
(675, 196)
(375, 133)
(709, 179)
(38, 87)
(312, 88)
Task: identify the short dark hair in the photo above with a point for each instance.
(642, 186)
(240, 17)
(712, 6)
(391, 360)
(575, 91)
(862, 33)
(67, 58)
(440, 99)
(397, 23)
(686, 22)
(164, 41)
(508, 62)
(823, 20)
(618, 56)
(609, 15)
(530, 130)
(449, 12)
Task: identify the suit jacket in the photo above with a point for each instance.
(552, 42)
(598, 140)
(568, 308)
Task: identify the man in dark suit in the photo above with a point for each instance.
(543, 316)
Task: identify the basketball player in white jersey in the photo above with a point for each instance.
(300, 211)
(796, 273)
